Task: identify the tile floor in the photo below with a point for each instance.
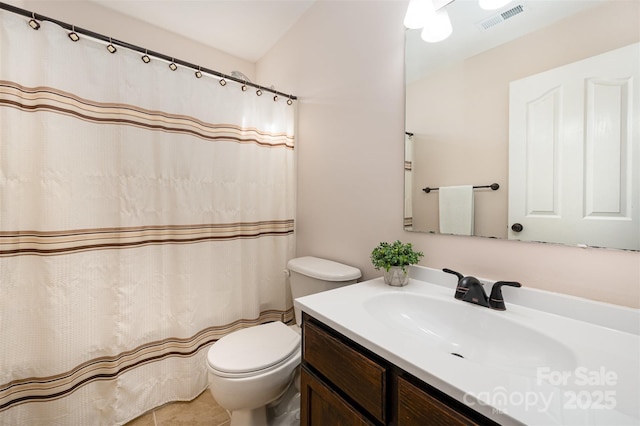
(202, 411)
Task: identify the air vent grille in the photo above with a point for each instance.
(494, 20)
(512, 12)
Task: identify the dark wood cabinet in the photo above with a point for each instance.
(343, 383)
(417, 407)
(323, 406)
(355, 374)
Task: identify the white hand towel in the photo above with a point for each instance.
(456, 210)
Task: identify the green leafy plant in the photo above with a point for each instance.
(395, 254)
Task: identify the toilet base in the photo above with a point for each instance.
(288, 413)
(284, 413)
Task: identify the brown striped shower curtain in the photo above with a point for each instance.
(144, 213)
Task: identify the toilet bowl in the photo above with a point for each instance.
(253, 372)
(252, 367)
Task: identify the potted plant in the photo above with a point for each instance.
(394, 259)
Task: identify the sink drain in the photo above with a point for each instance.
(456, 354)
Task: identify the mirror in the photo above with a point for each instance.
(459, 124)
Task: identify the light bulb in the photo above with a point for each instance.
(438, 26)
(416, 15)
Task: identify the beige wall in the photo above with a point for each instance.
(345, 61)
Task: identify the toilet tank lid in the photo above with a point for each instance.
(323, 269)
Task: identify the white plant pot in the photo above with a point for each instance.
(396, 277)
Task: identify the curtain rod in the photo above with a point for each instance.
(130, 46)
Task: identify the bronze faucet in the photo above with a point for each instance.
(470, 289)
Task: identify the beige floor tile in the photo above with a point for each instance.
(144, 420)
(202, 411)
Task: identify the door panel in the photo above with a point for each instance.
(573, 152)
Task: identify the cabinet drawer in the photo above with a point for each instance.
(320, 406)
(353, 373)
(416, 407)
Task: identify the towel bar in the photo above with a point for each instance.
(493, 186)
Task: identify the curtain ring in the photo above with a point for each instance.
(145, 58)
(275, 98)
(244, 86)
(223, 82)
(259, 92)
(110, 47)
(172, 65)
(73, 35)
(198, 73)
(33, 23)
(289, 101)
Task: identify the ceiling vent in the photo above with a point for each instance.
(494, 20)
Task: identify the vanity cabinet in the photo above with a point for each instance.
(418, 407)
(343, 383)
(323, 406)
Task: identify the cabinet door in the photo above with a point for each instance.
(415, 407)
(349, 370)
(320, 406)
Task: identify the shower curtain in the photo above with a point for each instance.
(408, 181)
(144, 213)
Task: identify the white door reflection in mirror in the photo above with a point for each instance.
(577, 127)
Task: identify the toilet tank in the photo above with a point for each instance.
(309, 275)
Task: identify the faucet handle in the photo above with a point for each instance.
(461, 289)
(496, 301)
(450, 271)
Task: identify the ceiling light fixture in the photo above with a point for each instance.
(438, 26)
(416, 16)
(435, 24)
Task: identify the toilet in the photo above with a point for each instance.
(253, 372)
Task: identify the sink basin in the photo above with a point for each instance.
(477, 334)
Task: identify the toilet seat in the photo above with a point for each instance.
(253, 350)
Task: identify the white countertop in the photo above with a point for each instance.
(597, 384)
